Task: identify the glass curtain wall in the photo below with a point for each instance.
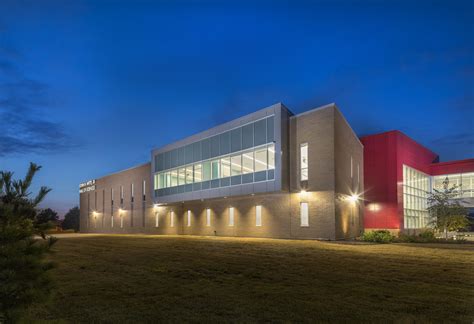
(247, 162)
(416, 186)
(464, 182)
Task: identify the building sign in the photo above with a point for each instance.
(87, 186)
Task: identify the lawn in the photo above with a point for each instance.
(196, 279)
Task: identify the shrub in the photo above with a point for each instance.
(379, 236)
(424, 237)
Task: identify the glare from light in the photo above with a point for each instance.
(303, 193)
(353, 198)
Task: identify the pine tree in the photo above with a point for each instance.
(24, 275)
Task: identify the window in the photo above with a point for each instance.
(206, 171)
(198, 172)
(231, 216)
(189, 218)
(172, 218)
(258, 215)
(215, 169)
(157, 219)
(121, 220)
(415, 190)
(174, 178)
(112, 220)
(144, 190)
(271, 156)
(121, 195)
(133, 191)
(167, 179)
(160, 181)
(225, 167)
(156, 182)
(181, 176)
(208, 217)
(247, 162)
(304, 214)
(304, 161)
(261, 159)
(236, 164)
(189, 174)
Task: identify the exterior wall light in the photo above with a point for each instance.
(353, 198)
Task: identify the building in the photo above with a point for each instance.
(268, 174)
(399, 173)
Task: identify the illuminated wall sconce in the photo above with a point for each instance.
(353, 198)
(303, 193)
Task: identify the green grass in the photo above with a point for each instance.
(194, 279)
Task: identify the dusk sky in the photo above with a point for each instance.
(90, 87)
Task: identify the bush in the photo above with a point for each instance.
(427, 236)
(379, 236)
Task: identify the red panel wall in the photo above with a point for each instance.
(384, 156)
(461, 166)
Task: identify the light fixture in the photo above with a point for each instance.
(353, 198)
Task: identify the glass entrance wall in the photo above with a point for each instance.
(416, 186)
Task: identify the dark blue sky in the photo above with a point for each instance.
(89, 87)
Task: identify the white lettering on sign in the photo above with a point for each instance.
(87, 186)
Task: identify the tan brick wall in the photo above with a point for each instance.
(349, 215)
(330, 142)
(317, 129)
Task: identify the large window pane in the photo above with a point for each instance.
(261, 159)
(236, 139)
(270, 129)
(224, 143)
(198, 172)
(215, 169)
(181, 176)
(189, 154)
(161, 180)
(215, 143)
(247, 136)
(247, 162)
(236, 162)
(206, 149)
(206, 171)
(225, 167)
(174, 158)
(196, 151)
(260, 132)
(181, 152)
(167, 179)
(174, 178)
(189, 174)
(271, 157)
